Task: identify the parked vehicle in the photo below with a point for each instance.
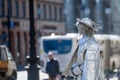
(8, 69)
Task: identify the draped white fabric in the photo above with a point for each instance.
(89, 55)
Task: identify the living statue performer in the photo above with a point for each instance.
(87, 60)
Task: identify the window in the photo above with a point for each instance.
(38, 11)
(50, 12)
(55, 12)
(17, 8)
(23, 9)
(9, 4)
(1, 7)
(59, 46)
(60, 13)
(44, 11)
(50, 27)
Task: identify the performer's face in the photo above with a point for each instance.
(80, 27)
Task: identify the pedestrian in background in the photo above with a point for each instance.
(52, 67)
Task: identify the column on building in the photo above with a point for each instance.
(26, 36)
(14, 44)
(22, 48)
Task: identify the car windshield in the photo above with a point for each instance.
(3, 55)
(58, 46)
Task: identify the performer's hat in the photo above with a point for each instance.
(88, 23)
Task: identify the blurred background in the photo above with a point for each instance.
(55, 16)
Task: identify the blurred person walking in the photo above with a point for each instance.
(52, 67)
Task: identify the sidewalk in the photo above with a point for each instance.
(22, 73)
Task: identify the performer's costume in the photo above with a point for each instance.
(86, 63)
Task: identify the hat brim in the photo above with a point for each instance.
(94, 29)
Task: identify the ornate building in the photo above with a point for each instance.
(48, 19)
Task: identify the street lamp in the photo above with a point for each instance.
(32, 69)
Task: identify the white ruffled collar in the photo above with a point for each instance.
(85, 39)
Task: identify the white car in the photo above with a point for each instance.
(8, 69)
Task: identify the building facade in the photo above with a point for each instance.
(97, 10)
(115, 17)
(48, 16)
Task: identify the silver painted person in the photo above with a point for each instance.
(87, 60)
